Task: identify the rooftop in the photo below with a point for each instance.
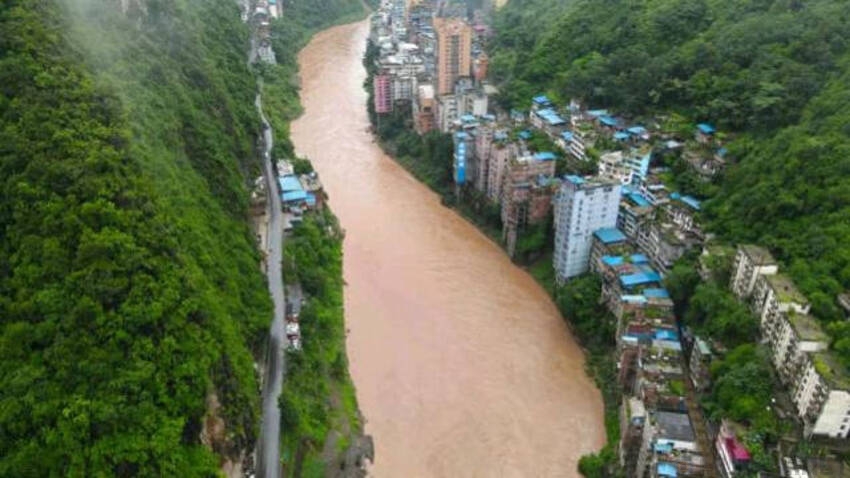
(757, 254)
(577, 180)
(640, 278)
(621, 136)
(705, 128)
(638, 200)
(289, 183)
(610, 235)
(785, 289)
(692, 202)
(703, 347)
(608, 120)
(541, 100)
(828, 366)
(657, 292)
(545, 156)
(807, 328)
(667, 470)
(567, 135)
(674, 426)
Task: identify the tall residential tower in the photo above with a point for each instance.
(583, 206)
(454, 52)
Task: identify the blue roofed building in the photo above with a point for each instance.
(638, 132)
(705, 133)
(545, 156)
(541, 101)
(573, 143)
(607, 121)
(666, 470)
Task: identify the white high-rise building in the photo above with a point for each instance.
(582, 207)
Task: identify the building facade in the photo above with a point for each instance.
(454, 52)
(750, 262)
(582, 207)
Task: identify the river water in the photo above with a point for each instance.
(462, 363)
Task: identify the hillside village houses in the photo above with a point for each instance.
(818, 385)
(626, 224)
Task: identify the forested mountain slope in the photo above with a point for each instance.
(774, 72)
(130, 286)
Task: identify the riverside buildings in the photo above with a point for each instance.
(583, 206)
(818, 384)
(454, 52)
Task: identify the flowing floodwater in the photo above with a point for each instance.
(462, 364)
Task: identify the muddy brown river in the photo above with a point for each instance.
(462, 363)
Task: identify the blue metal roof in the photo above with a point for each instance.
(525, 134)
(577, 180)
(612, 260)
(621, 136)
(289, 183)
(633, 299)
(467, 118)
(294, 196)
(706, 128)
(663, 447)
(550, 116)
(461, 135)
(311, 199)
(597, 113)
(610, 235)
(608, 120)
(637, 130)
(567, 135)
(541, 100)
(667, 470)
(657, 293)
(545, 156)
(631, 280)
(639, 259)
(666, 334)
(691, 201)
(638, 199)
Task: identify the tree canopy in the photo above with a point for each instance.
(129, 282)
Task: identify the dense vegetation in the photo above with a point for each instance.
(129, 283)
(776, 73)
(318, 396)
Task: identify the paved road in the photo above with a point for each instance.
(268, 445)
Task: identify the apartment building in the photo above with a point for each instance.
(501, 154)
(527, 194)
(750, 262)
(583, 206)
(454, 52)
(818, 384)
(423, 109)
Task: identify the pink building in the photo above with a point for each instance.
(383, 95)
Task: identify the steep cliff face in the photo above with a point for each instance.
(129, 283)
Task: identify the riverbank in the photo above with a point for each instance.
(429, 159)
(321, 426)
